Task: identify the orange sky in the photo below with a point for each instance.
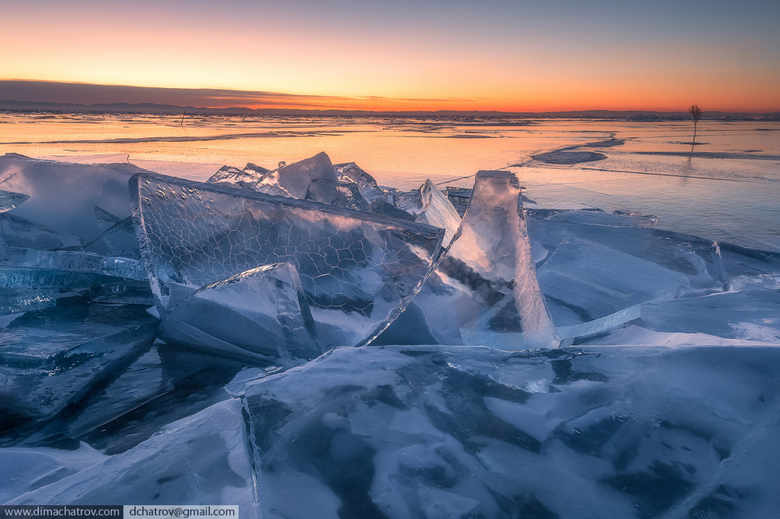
(456, 57)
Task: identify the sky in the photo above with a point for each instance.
(507, 55)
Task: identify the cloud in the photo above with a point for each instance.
(32, 91)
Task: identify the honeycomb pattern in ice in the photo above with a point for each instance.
(358, 270)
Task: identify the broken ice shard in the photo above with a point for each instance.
(358, 270)
(438, 211)
(143, 380)
(310, 179)
(261, 311)
(14, 300)
(366, 184)
(313, 179)
(429, 205)
(117, 237)
(200, 458)
(485, 291)
(595, 263)
(247, 177)
(71, 261)
(20, 232)
(592, 281)
(53, 357)
(366, 194)
(63, 195)
(32, 279)
(459, 197)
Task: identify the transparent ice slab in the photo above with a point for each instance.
(459, 198)
(429, 205)
(63, 195)
(485, 286)
(15, 300)
(247, 177)
(310, 179)
(366, 184)
(594, 280)
(753, 313)
(142, 381)
(358, 270)
(261, 312)
(595, 264)
(71, 261)
(32, 279)
(117, 237)
(315, 179)
(19, 232)
(51, 358)
(184, 382)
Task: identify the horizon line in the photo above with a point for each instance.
(19, 91)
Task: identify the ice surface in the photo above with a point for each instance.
(25, 469)
(751, 314)
(147, 380)
(703, 261)
(464, 431)
(198, 459)
(261, 311)
(598, 327)
(485, 287)
(569, 157)
(598, 217)
(53, 357)
(358, 270)
(425, 431)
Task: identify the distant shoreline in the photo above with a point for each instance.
(27, 107)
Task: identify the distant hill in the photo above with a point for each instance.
(166, 109)
(32, 96)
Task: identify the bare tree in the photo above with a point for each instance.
(695, 112)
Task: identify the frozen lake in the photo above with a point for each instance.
(321, 341)
(727, 189)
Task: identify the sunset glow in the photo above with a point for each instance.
(506, 56)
